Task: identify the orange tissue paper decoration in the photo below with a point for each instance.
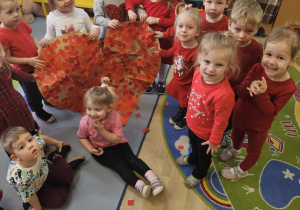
(73, 65)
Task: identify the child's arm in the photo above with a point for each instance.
(89, 147)
(50, 34)
(167, 53)
(20, 75)
(100, 16)
(33, 61)
(169, 33)
(110, 137)
(130, 9)
(35, 202)
(50, 141)
(141, 13)
(36, 42)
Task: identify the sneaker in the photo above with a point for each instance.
(225, 140)
(190, 182)
(145, 190)
(233, 173)
(227, 154)
(47, 117)
(64, 151)
(180, 124)
(149, 89)
(180, 114)
(157, 186)
(181, 161)
(161, 88)
(75, 162)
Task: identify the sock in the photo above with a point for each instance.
(194, 178)
(162, 72)
(240, 169)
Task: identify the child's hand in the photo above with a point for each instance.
(59, 145)
(97, 151)
(211, 147)
(143, 16)
(44, 42)
(158, 34)
(36, 63)
(257, 87)
(114, 24)
(152, 20)
(132, 16)
(98, 125)
(94, 33)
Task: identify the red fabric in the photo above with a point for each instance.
(209, 108)
(221, 25)
(179, 92)
(247, 57)
(13, 108)
(20, 44)
(166, 17)
(258, 112)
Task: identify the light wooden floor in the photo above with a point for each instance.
(175, 195)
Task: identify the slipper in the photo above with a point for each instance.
(189, 182)
(180, 161)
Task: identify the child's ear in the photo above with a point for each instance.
(229, 25)
(293, 61)
(227, 3)
(14, 158)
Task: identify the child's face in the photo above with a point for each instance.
(276, 59)
(10, 14)
(242, 33)
(96, 112)
(214, 8)
(64, 6)
(26, 149)
(214, 65)
(186, 28)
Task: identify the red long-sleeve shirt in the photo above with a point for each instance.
(258, 112)
(185, 59)
(209, 108)
(221, 25)
(247, 57)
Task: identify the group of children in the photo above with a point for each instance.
(222, 77)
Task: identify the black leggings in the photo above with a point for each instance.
(121, 159)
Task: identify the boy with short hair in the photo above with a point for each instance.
(245, 20)
(21, 49)
(38, 182)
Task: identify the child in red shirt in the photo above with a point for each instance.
(213, 18)
(161, 16)
(263, 93)
(210, 102)
(186, 44)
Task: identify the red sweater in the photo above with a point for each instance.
(247, 57)
(221, 25)
(209, 108)
(185, 59)
(20, 44)
(258, 112)
(158, 9)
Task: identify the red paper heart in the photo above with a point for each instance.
(73, 65)
(114, 12)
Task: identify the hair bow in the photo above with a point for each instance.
(187, 6)
(104, 85)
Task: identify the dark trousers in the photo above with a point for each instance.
(198, 156)
(121, 159)
(55, 190)
(33, 95)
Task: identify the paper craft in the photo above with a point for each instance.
(73, 65)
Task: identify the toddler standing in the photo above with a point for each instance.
(21, 49)
(263, 93)
(160, 16)
(100, 132)
(210, 102)
(186, 44)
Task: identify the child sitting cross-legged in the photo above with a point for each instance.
(38, 182)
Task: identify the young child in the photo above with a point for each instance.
(13, 108)
(210, 102)
(38, 182)
(266, 89)
(21, 48)
(186, 44)
(65, 18)
(100, 132)
(245, 20)
(213, 18)
(160, 16)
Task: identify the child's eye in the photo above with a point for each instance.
(206, 61)
(249, 32)
(190, 27)
(237, 29)
(98, 109)
(22, 147)
(280, 58)
(268, 54)
(30, 140)
(180, 26)
(219, 65)
(220, 2)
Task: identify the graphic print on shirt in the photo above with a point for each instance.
(180, 65)
(198, 106)
(69, 29)
(117, 13)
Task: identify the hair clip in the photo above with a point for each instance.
(291, 27)
(187, 6)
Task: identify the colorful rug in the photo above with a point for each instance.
(273, 183)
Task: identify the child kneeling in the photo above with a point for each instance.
(31, 175)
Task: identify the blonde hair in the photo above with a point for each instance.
(287, 34)
(10, 136)
(101, 95)
(249, 11)
(220, 40)
(192, 13)
(1, 1)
